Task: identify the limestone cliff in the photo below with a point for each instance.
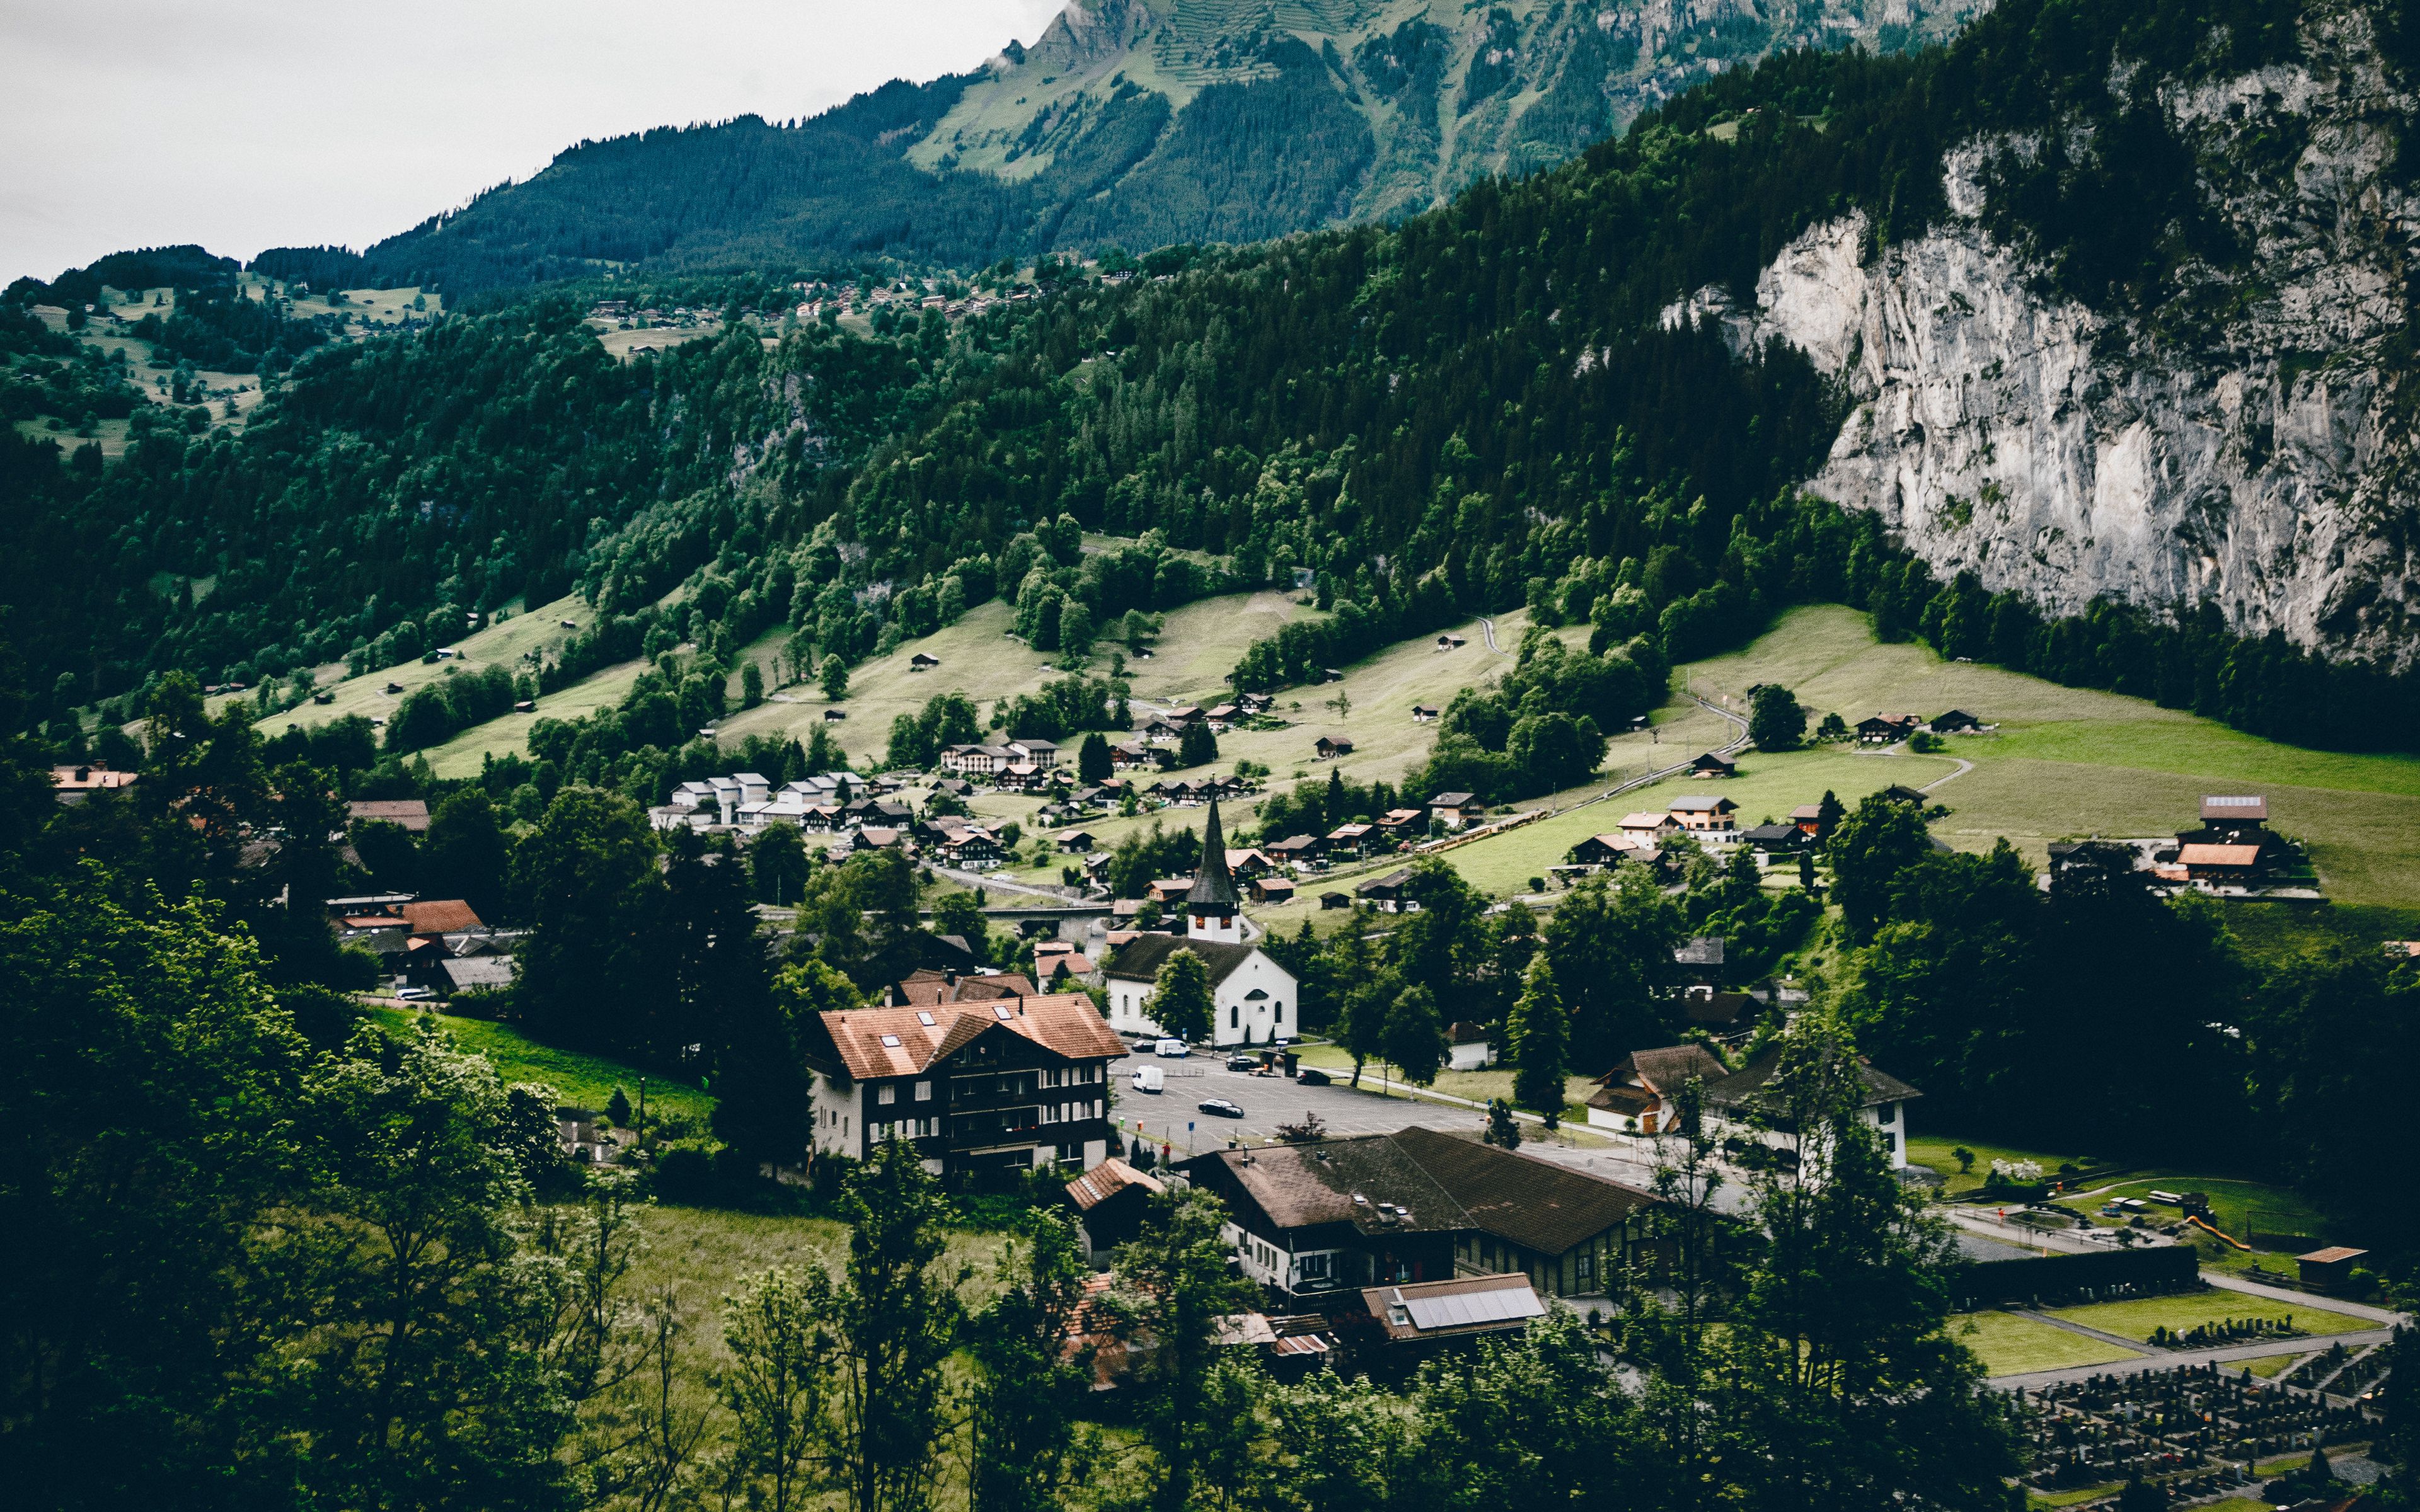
(2261, 461)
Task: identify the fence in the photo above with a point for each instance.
(2141, 1271)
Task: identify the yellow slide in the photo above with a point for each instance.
(2198, 1222)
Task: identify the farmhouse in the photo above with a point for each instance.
(1649, 827)
(921, 662)
(1956, 722)
(1328, 748)
(1455, 810)
(1422, 714)
(1704, 815)
(1604, 850)
(1883, 1104)
(1109, 1201)
(1886, 729)
(1386, 893)
(981, 1088)
(1713, 763)
(1637, 1095)
(1808, 817)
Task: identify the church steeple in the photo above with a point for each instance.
(1211, 909)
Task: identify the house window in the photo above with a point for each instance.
(1234, 1015)
(885, 1096)
(1313, 1267)
(1277, 1013)
(1588, 1266)
(1885, 1114)
(924, 1091)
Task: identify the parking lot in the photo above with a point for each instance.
(1268, 1102)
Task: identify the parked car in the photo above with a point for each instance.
(1220, 1107)
(414, 994)
(1150, 1079)
(1240, 1062)
(1311, 1076)
(1173, 1049)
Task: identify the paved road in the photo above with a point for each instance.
(1268, 1102)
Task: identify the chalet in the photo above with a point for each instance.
(71, 785)
(1886, 729)
(1420, 1207)
(1883, 1104)
(1314, 1219)
(1109, 1201)
(1078, 842)
(1705, 815)
(1223, 716)
(972, 849)
(1134, 756)
(1775, 839)
(1254, 703)
(1648, 828)
(1246, 864)
(1901, 793)
(1328, 748)
(1181, 792)
(1160, 729)
(1403, 824)
(1639, 1095)
(1271, 889)
(877, 837)
(409, 813)
(1386, 893)
(834, 715)
(1725, 1015)
(982, 1089)
(1808, 817)
(1422, 714)
(1057, 965)
(1353, 839)
(942, 986)
(1714, 765)
(1468, 1046)
(1455, 810)
(1450, 643)
(1295, 849)
(1956, 722)
(921, 662)
(1184, 715)
(1334, 899)
(974, 761)
(2235, 813)
(1605, 850)
(1042, 753)
(2225, 864)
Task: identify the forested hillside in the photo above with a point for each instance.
(1477, 408)
(1135, 123)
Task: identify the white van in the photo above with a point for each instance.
(1173, 1049)
(1150, 1079)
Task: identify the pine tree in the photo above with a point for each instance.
(1538, 1036)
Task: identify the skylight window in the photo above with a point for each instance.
(925, 1019)
(1002, 1014)
(891, 1042)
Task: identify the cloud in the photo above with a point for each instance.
(257, 123)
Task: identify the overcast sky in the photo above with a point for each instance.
(245, 124)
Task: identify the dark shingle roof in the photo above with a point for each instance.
(1668, 1068)
(1140, 959)
(1534, 1203)
(1744, 1087)
(1304, 1186)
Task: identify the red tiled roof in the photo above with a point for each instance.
(439, 916)
(900, 1042)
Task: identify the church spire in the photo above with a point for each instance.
(1210, 907)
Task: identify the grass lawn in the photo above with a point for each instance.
(2136, 1319)
(507, 644)
(2238, 1207)
(1933, 1152)
(2271, 1364)
(579, 1079)
(2072, 761)
(2075, 1497)
(2010, 1345)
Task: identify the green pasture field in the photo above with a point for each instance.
(2010, 1344)
(1933, 1152)
(2135, 1319)
(580, 1080)
(507, 644)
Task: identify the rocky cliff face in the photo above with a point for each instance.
(2071, 453)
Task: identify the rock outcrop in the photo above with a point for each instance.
(2071, 453)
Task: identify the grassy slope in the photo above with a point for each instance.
(507, 644)
(577, 1079)
(2065, 762)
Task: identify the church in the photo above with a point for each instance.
(1253, 998)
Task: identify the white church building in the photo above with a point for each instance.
(1254, 1000)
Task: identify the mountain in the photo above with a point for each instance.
(2075, 346)
(1139, 123)
(2224, 418)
